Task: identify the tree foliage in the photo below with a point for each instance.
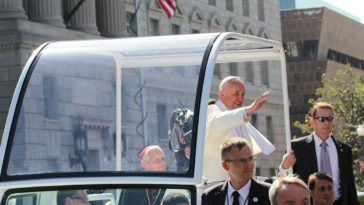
(345, 91)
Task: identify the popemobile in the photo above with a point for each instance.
(85, 114)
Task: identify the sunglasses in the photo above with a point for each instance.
(323, 119)
(78, 197)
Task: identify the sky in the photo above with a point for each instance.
(350, 8)
(354, 7)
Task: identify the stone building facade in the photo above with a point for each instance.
(317, 41)
(25, 24)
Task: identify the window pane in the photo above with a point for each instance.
(176, 29)
(246, 8)
(131, 24)
(106, 196)
(154, 27)
(261, 10)
(233, 69)
(264, 73)
(249, 72)
(212, 2)
(162, 122)
(230, 5)
(97, 79)
(270, 133)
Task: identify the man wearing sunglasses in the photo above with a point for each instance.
(240, 189)
(320, 151)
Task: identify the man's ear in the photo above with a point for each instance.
(312, 121)
(224, 165)
(142, 163)
(221, 93)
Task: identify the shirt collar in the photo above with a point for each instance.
(318, 140)
(243, 191)
(221, 105)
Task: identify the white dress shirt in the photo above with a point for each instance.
(334, 161)
(243, 191)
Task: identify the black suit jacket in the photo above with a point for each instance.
(216, 195)
(306, 164)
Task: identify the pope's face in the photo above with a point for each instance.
(233, 95)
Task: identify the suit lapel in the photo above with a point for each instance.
(340, 156)
(311, 152)
(220, 195)
(254, 196)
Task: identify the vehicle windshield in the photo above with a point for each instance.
(110, 105)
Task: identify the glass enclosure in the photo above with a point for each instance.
(108, 196)
(95, 106)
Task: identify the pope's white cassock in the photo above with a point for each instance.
(222, 124)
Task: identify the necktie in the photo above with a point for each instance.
(236, 198)
(325, 164)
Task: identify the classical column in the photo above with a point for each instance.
(46, 11)
(10, 9)
(84, 18)
(111, 18)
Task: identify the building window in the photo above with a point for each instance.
(195, 31)
(298, 50)
(260, 10)
(269, 125)
(233, 69)
(162, 121)
(176, 29)
(229, 5)
(154, 27)
(254, 120)
(264, 73)
(246, 8)
(272, 172)
(257, 171)
(50, 104)
(212, 2)
(217, 71)
(131, 24)
(249, 72)
(345, 59)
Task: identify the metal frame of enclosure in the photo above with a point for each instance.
(200, 51)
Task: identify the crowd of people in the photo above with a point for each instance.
(321, 164)
(319, 159)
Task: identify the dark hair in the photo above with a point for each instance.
(322, 105)
(174, 198)
(211, 101)
(231, 143)
(318, 175)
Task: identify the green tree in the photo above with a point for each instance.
(345, 91)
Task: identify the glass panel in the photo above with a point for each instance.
(119, 196)
(246, 8)
(261, 10)
(262, 119)
(153, 82)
